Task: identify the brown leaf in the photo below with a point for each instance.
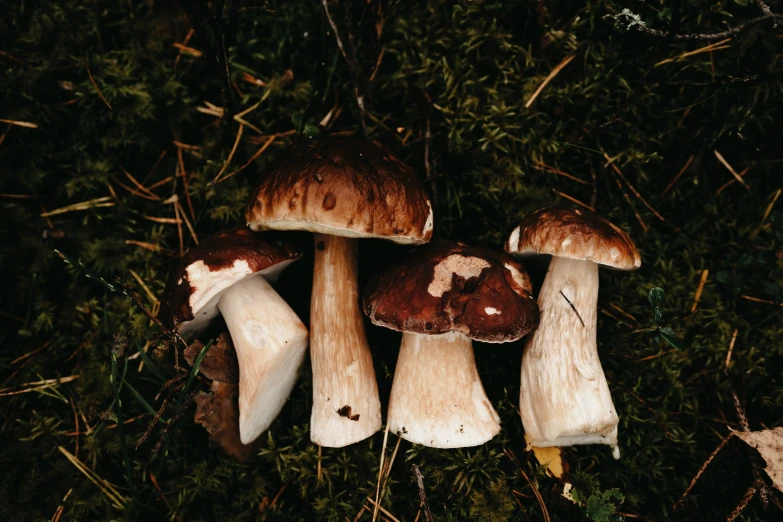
(218, 412)
(770, 444)
(220, 363)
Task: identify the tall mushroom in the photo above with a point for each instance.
(441, 297)
(564, 398)
(230, 273)
(341, 188)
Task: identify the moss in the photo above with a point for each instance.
(465, 70)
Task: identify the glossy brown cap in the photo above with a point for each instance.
(219, 261)
(451, 287)
(576, 234)
(342, 186)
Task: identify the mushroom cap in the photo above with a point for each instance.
(342, 186)
(451, 287)
(219, 261)
(575, 234)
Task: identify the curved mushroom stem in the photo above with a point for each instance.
(564, 398)
(270, 342)
(346, 407)
(437, 398)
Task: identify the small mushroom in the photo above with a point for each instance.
(564, 398)
(341, 188)
(230, 273)
(441, 297)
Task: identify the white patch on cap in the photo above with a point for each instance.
(513, 241)
(430, 219)
(518, 277)
(491, 311)
(566, 242)
(614, 253)
(206, 283)
(464, 266)
(180, 281)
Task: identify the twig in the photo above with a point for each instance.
(255, 156)
(573, 200)
(546, 168)
(117, 500)
(757, 300)
(565, 61)
(700, 289)
(732, 181)
(59, 511)
(94, 84)
(716, 46)
(230, 155)
(636, 193)
(84, 205)
(749, 494)
(422, 494)
(678, 176)
(731, 169)
(380, 473)
(701, 470)
(384, 511)
(545, 512)
(731, 350)
(26, 124)
(633, 21)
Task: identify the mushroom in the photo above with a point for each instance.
(230, 273)
(441, 297)
(341, 188)
(564, 398)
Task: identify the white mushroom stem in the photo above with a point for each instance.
(346, 408)
(437, 398)
(564, 398)
(270, 342)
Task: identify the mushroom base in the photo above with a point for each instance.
(346, 407)
(564, 397)
(437, 398)
(270, 342)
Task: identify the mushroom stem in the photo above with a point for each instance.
(437, 398)
(346, 408)
(270, 342)
(564, 398)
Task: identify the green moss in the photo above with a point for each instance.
(465, 69)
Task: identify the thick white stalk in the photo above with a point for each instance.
(346, 408)
(564, 398)
(437, 398)
(270, 342)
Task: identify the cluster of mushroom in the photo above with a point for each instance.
(441, 296)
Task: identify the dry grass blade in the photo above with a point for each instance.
(138, 185)
(759, 300)
(251, 160)
(144, 287)
(731, 169)
(26, 124)
(678, 176)
(510, 454)
(35, 386)
(546, 168)
(148, 246)
(731, 350)
(383, 510)
(636, 193)
(732, 181)
(380, 473)
(117, 500)
(30, 354)
(716, 46)
(187, 50)
(95, 84)
(573, 200)
(230, 154)
(84, 205)
(700, 289)
(59, 512)
(187, 223)
(549, 78)
(162, 220)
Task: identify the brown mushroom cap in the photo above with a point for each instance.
(342, 186)
(218, 262)
(575, 234)
(451, 287)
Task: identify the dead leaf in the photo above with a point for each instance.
(770, 444)
(220, 363)
(551, 458)
(218, 412)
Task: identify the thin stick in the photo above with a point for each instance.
(230, 154)
(318, 468)
(573, 308)
(757, 300)
(384, 511)
(678, 176)
(106, 488)
(139, 185)
(30, 354)
(768, 211)
(636, 193)
(251, 160)
(422, 494)
(539, 498)
(702, 468)
(732, 181)
(746, 498)
(731, 169)
(59, 512)
(731, 350)
(630, 203)
(147, 246)
(715, 46)
(187, 222)
(179, 230)
(380, 473)
(185, 186)
(94, 84)
(699, 290)
(546, 168)
(548, 79)
(84, 205)
(18, 123)
(573, 200)
(34, 386)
